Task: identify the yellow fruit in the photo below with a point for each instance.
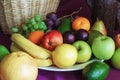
(64, 56)
(28, 46)
(14, 47)
(99, 26)
(43, 63)
(40, 62)
(18, 66)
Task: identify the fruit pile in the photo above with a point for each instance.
(73, 40)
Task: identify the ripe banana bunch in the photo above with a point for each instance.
(41, 55)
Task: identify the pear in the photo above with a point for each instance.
(99, 26)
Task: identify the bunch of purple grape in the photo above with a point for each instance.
(52, 21)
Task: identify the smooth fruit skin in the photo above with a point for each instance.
(96, 71)
(64, 56)
(81, 23)
(3, 52)
(84, 51)
(82, 34)
(115, 60)
(99, 26)
(117, 40)
(103, 47)
(51, 40)
(36, 36)
(92, 35)
(68, 37)
(18, 66)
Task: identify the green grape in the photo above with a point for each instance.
(38, 18)
(43, 26)
(24, 28)
(29, 26)
(27, 33)
(32, 30)
(35, 26)
(32, 21)
(27, 21)
(39, 26)
(15, 29)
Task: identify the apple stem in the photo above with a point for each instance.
(71, 15)
(79, 49)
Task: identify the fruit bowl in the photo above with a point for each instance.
(73, 68)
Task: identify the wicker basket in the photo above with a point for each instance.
(15, 12)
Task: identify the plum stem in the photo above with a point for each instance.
(71, 15)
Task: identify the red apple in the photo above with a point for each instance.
(52, 39)
(117, 40)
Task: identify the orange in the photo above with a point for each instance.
(36, 36)
(81, 23)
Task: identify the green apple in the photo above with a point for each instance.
(115, 60)
(92, 35)
(84, 51)
(64, 56)
(103, 47)
(3, 52)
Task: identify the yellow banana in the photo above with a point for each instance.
(30, 47)
(43, 63)
(14, 47)
(40, 62)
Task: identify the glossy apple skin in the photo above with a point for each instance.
(82, 35)
(117, 40)
(115, 60)
(52, 39)
(68, 37)
(103, 47)
(64, 56)
(84, 51)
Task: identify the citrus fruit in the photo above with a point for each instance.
(36, 36)
(18, 66)
(96, 70)
(3, 52)
(81, 23)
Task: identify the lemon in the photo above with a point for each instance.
(96, 70)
